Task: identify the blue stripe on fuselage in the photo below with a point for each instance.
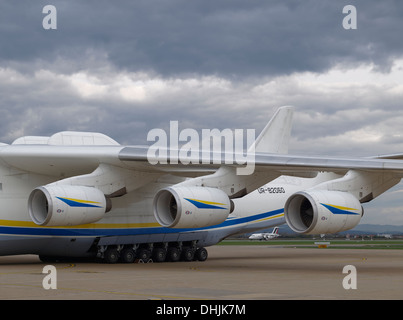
(38, 231)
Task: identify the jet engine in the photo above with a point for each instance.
(191, 207)
(322, 211)
(66, 205)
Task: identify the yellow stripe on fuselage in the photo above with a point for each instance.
(269, 218)
(30, 224)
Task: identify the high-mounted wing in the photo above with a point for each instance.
(86, 170)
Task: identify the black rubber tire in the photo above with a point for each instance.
(127, 255)
(201, 254)
(143, 254)
(187, 254)
(159, 254)
(111, 255)
(173, 254)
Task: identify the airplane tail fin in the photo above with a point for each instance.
(275, 137)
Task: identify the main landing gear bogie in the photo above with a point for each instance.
(151, 253)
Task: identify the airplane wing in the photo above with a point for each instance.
(95, 159)
(90, 169)
(280, 162)
(62, 160)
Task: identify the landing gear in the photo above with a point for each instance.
(127, 255)
(173, 254)
(111, 255)
(159, 254)
(187, 254)
(152, 252)
(201, 254)
(144, 254)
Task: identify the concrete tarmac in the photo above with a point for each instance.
(231, 272)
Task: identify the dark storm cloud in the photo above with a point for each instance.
(214, 61)
(227, 38)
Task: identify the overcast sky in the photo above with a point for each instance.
(125, 67)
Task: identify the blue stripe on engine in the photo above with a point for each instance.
(338, 211)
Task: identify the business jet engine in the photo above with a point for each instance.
(191, 207)
(66, 205)
(322, 211)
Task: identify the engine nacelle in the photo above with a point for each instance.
(66, 205)
(191, 207)
(322, 211)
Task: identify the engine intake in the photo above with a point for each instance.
(322, 211)
(66, 205)
(191, 207)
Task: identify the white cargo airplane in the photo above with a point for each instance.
(84, 195)
(265, 235)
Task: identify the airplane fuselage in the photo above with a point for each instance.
(131, 221)
(78, 194)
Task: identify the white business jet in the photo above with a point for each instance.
(265, 235)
